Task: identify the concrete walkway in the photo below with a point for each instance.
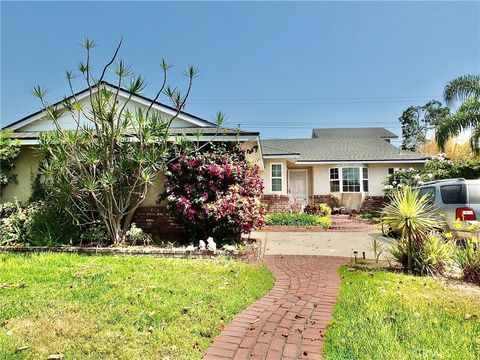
(319, 243)
(290, 322)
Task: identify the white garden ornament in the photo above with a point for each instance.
(211, 244)
(201, 245)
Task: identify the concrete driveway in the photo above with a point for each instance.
(320, 243)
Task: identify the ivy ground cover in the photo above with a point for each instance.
(119, 308)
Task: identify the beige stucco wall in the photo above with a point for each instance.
(26, 166)
(266, 176)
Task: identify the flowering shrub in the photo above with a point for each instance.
(215, 192)
(318, 209)
(439, 167)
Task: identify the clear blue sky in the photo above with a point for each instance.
(279, 68)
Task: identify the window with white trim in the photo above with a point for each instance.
(351, 179)
(365, 179)
(334, 180)
(277, 178)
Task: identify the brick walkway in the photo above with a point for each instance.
(289, 322)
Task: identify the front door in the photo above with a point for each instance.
(297, 186)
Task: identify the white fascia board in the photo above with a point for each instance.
(126, 95)
(280, 156)
(364, 162)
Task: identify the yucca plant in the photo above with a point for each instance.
(413, 216)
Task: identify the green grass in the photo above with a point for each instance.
(384, 315)
(120, 308)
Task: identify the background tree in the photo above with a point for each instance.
(464, 90)
(9, 151)
(417, 121)
(106, 165)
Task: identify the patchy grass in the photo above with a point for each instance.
(385, 315)
(119, 308)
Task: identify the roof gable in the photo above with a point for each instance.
(39, 122)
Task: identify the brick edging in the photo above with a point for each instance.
(245, 255)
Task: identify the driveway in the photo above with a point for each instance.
(319, 243)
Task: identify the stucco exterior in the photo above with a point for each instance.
(26, 168)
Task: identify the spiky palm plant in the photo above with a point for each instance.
(413, 216)
(466, 90)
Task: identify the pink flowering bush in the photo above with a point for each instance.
(215, 193)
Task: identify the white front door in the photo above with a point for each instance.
(297, 186)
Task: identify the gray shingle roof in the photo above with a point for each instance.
(338, 149)
(375, 132)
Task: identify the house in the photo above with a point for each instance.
(344, 166)
(150, 215)
(334, 166)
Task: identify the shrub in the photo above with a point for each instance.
(39, 224)
(414, 217)
(298, 220)
(9, 151)
(318, 209)
(215, 193)
(432, 258)
(468, 259)
(137, 236)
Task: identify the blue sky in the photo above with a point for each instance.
(279, 68)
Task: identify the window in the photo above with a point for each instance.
(391, 171)
(429, 191)
(454, 194)
(334, 180)
(276, 176)
(365, 179)
(351, 179)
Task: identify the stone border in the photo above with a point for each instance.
(251, 255)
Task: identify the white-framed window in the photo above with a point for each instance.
(349, 179)
(391, 171)
(276, 175)
(365, 179)
(334, 180)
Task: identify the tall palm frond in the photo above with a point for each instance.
(462, 88)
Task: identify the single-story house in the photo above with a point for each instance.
(344, 166)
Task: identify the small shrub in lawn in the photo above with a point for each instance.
(298, 220)
(318, 209)
(468, 259)
(432, 258)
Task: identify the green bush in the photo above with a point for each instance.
(38, 223)
(433, 257)
(468, 259)
(297, 220)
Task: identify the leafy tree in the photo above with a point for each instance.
(417, 121)
(9, 151)
(464, 90)
(106, 165)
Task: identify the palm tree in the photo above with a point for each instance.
(413, 216)
(466, 90)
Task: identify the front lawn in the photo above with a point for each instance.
(384, 315)
(119, 308)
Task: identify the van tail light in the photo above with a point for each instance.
(465, 214)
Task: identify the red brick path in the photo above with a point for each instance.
(289, 322)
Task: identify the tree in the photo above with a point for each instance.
(106, 165)
(9, 151)
(417, 121)
(466, 91)
(215, 192)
